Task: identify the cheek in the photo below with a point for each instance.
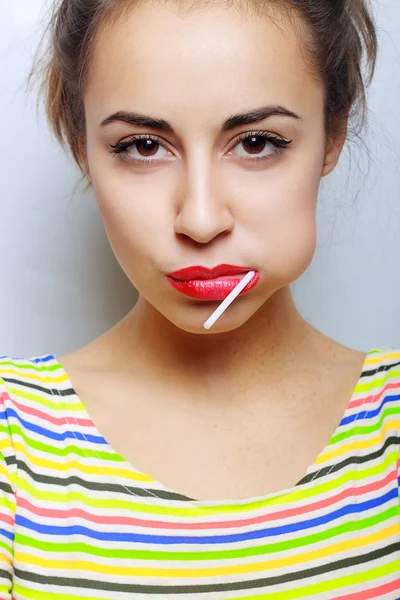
(135, 221)
(282, 217)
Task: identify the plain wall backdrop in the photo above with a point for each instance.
(60, 283)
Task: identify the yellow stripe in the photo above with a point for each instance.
(6, 443)
(4, 470)
(296, 560)
(80, 467)
(359, 444)
(389, 355)
(6, 559)
(32, 376)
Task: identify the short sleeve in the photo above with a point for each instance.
(7, 497)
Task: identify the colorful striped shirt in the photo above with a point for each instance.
(79, 521)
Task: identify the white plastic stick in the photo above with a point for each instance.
(229, 299)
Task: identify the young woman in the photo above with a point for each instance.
(255, 459)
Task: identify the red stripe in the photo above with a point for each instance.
(131, 521)
(7, 519)
(373, 593)
(49, 418)
(373, 398)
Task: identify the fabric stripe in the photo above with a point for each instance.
(79, 521)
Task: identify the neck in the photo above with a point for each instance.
(265, 345)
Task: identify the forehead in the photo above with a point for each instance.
(214, 58)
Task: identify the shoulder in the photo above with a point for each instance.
(19, 374)
(379, 386)
(382, 367)
(30, 387)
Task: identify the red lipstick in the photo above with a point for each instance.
(211, 284)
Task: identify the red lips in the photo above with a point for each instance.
(199, 272)
(211, 284)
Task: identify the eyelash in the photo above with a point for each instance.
(121, 148)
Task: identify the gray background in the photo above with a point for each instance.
(60, 284)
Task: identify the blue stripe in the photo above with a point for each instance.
(94, 439)
(46, 358)
(7, 534)
(371, 413)
(355, 508)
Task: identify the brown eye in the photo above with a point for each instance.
(141, 149)
(260, 145)
(254, 144)
(147, 147)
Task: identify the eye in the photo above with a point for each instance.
(144, 146)
(261, 145)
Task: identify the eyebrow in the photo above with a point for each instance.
(252, 116)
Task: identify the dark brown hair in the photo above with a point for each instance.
(335, 36)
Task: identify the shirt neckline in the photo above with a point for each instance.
(296, 490)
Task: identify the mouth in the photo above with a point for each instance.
(200, 272)
(214, 287)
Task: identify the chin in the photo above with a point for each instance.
(194, 323)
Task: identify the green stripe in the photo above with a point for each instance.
(56, 404)
(63, 451)
(366, 429)
(31, 366)
(275, 547)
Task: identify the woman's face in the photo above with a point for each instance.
(203, 196)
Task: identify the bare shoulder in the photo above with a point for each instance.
(344, 358)
(337, 364)
(94, 357)
(89, 368)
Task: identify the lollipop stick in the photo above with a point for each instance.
(229, 299)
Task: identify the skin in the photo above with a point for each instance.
(201, 202)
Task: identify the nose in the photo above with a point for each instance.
(203, 211)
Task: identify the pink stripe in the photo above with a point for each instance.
(372, 398)
(50, 419)
(130, 521)
(375, 593)
(7, 519)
